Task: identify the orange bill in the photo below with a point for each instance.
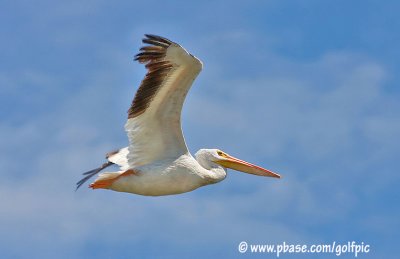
(246, 167)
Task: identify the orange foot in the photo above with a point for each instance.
(107, 181)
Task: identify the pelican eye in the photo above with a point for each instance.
(220, 153)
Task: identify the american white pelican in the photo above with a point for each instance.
(157, 161)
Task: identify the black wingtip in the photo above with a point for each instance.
(91, 173)
(158, 38)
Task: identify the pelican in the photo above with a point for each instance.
(157, 161)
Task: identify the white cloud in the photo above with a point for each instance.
(318, 110)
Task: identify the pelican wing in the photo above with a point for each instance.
(154, 118)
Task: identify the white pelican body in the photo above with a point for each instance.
(169, 176)
(157, 161)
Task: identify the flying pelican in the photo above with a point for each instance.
(157, 161)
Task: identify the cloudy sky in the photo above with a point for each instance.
(309, 89)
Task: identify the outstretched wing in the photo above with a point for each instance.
(154, 118)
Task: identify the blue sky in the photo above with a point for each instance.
(309, 89)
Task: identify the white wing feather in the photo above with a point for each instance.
(156, 134)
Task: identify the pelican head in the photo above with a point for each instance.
(210, 158)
